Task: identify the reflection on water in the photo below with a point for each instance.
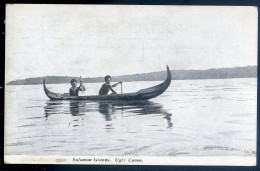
(75, 108)
(107, 108)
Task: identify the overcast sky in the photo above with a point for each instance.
(90, 41)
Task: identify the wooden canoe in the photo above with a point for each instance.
(143, 94)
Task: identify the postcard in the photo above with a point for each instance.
(130, 85)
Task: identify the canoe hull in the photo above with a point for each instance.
(143, 94)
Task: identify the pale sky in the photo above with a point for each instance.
(96, 40)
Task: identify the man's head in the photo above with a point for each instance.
(107, 79)
(73, 83)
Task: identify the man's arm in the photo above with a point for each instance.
(81, 87)
(112, 90)
(116, 84)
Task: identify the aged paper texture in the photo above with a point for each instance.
(131, 85)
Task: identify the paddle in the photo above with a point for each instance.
(81, 86)
(121, 88)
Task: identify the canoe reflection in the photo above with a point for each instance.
(74, 108)
(107, 108)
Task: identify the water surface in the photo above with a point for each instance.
(192, 118)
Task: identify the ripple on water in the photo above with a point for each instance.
(29, 125)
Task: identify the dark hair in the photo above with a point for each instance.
(73, 80)
(106, 77)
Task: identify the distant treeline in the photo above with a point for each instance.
(238, 72)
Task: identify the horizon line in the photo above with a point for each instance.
(137, 73)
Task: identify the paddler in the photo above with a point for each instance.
(74, 90)
(106, 87)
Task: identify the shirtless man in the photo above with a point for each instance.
(106, 87)
(74, 90)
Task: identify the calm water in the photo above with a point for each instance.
(192, 118)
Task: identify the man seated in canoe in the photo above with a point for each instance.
(74, 90)
(106, 87)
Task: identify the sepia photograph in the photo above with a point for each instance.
(130, 85)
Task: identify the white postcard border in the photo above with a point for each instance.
(131, 160)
